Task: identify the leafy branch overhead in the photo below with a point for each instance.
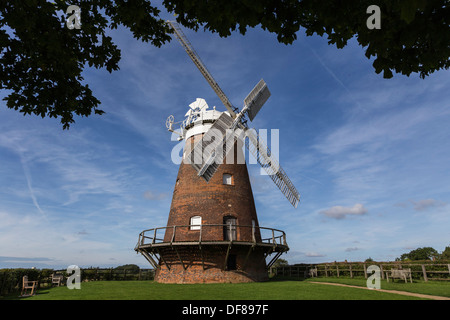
(41, 60)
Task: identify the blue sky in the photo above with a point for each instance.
(369, 156)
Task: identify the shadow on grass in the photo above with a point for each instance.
(17, 296)
(286, 278)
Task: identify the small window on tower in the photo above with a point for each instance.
(196, 223)
(227, 179)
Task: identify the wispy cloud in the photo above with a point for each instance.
(314, 255)
(95, 182)
(336, 78)
(421, 205)
(427, 203)
(379, 130)
(377, 154)
(151, 195)
(27, 174)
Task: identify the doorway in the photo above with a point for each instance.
(229, 228)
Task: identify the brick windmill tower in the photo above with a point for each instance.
(212, 233)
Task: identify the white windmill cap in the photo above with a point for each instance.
(204, 120)
(200, 104)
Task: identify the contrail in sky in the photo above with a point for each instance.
(26, 171)
(335, 77)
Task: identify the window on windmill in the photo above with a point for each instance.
(196, 223)
(227, 179)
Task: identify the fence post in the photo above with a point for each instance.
(337, 270)
(351, 273)
(365, 271)
(382, 272)
(424, 273)
(326, 271)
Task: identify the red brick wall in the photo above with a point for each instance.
(212, 200)
(213, 270)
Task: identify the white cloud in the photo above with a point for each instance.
(339, 212)
(314, 255)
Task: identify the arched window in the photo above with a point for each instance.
(196, 223)
(227, 179)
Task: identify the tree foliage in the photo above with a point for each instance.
(130, 267)
(281, 263)
(425, 253)
(41, 61)
(445, 255)
(414, 34)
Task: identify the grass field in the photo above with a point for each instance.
(435, 288)
(271, 290)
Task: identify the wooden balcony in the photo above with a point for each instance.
(153, 242)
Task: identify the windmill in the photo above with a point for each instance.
(234, 122)
(213, 233)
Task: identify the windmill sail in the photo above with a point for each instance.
(201, 66)
(211, 150)
(261, 151)
(217, 157)
(256, 99)
(202, 156)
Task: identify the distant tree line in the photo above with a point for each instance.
(425, 253)
(130, 267)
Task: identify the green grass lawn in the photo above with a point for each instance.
(436, 288)
(271, 290)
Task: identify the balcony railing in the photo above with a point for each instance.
(211, 233)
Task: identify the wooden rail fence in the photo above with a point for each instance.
(425, 271)
(11, 279)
